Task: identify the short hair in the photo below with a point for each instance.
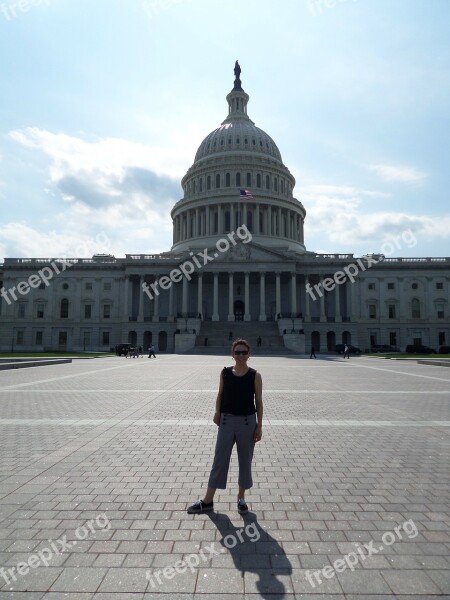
(240, 342)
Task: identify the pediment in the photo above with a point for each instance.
(252, 252)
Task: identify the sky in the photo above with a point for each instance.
(103, 104)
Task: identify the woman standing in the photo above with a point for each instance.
(238, 399)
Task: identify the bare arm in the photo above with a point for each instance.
(216, 417)
(259, 406)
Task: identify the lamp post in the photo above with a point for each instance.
(293, 329)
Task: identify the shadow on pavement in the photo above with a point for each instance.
(255, 551)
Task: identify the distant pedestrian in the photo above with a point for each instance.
(206, 341)
(136, 352)
(140, 352)
(151, 351)
(230, 336)
(346, 352)
(259, 341)
(313, 353)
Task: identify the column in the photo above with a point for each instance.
(232, 225)
(280, 224)
(294, 294)
(247, 314)
(269, 220)
(184, 303)
(337, 304)
(215, 315)
(307, 311)
(155, 317)
(197, 230)
(141, 300)
(323, 317)
(170, 316)
(277, 295)
(230, 297)
(262, 297)
(243, 214)
(207, 222)
(257, 225)
(219, 218)
(200, 294)
(126, 298)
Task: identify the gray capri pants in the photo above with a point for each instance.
(233, 428)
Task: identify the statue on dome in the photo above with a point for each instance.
(237, 74)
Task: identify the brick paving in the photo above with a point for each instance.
(350, 451)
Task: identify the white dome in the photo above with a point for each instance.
(237, 136)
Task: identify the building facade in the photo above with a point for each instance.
(238, 235)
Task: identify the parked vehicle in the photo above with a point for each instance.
(419, 349)
(352, 349)
(444, 350)
(122, 349)
(383, 348)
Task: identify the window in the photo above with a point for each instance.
(249, 180)
(392, 338)
(373, 339)
(107, 287)
(439, 285)
(258, 180)
(62, 338)
(227, 180)
(371, 286)
(372, 311)
(87, 311)
(40, 310)
(414, 286)
(238, 179)
(267, 182)
(105, 338)
(64, 311)
(201, 184)
(442, 338)
(415, 308)
(19, 337)
(38, 339)
(440, 310)
(86, 339)
(88, 286)
(217, 181)
(391, 309)
(282, 186)
(42, 286)
(391, 286)
(208, 182)
(21, 310)
(65, 286)
(106, 311)
(275, 184)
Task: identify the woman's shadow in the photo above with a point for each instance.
(253, 550)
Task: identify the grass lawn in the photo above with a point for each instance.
(413, 356)
(55, 354)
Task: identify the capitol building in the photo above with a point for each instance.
(238, 266)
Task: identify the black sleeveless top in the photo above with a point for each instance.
(238, 396)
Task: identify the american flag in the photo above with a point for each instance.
(245, 194)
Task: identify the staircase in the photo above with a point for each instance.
(218, 333)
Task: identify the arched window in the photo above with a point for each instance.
(217, 181)
(258, 180)
(64, 314)
(208, 182)
(201, 184)
(267, 182)
(238, 179)
(415, 308)
(275, 184)
(249, 180)
(227, 180)
(282, 186)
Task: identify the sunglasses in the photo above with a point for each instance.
(241, 352)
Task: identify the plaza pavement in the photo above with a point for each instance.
(351, 449)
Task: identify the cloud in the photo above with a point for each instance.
(338, 212)
(398, 174)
